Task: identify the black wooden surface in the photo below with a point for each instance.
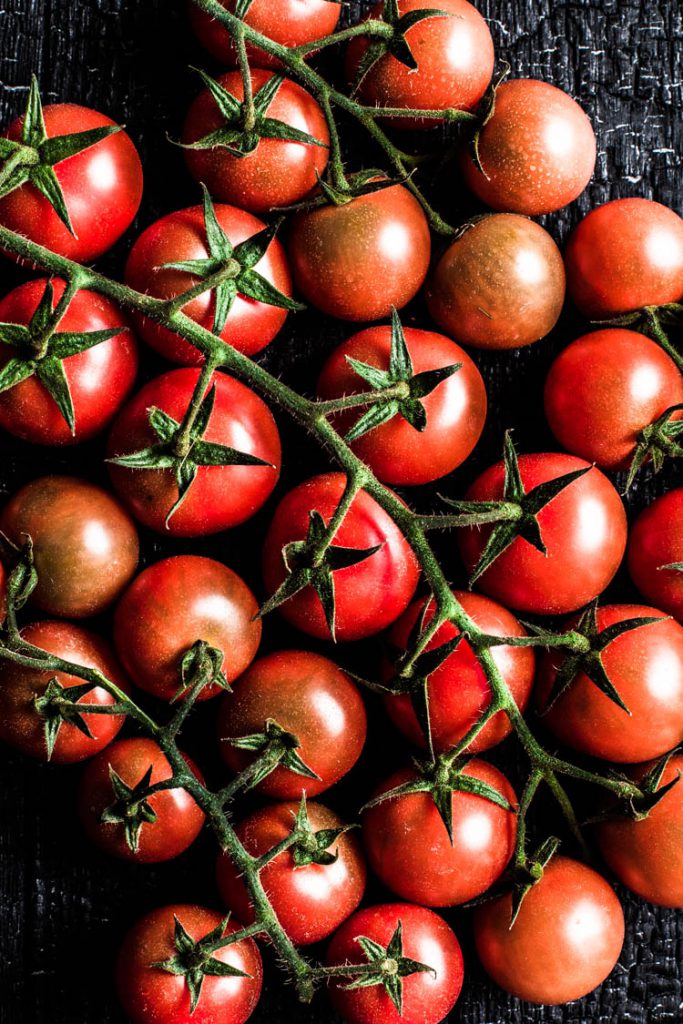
(63, 907)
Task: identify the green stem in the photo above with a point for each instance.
(354, 483)
(528, 794)
(182, 441)
(661, 337)
(245, 71)
(371, 28)
(333, 405)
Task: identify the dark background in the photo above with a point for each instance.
(64, 907)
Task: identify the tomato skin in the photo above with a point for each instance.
(499, 285)
(85, 546)
(311, 901)
(152, 996)
(308, 696)
(583, 528)
(566, 939)
(20, 724)
(646, 667)
(99, 378)
(220, 497)
(427, 997)
(338, 254)
(181, 236)
(458, 690)
(655, 540)
(179, 818)
(625, 255)
(170, 606)
(102, 187)
(370, 594)
(538, 150)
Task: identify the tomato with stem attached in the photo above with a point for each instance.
(655, 553)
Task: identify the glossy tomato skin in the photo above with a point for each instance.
(85, 546)
(656, 540)
(21, 725)
(102, 188)
(500, 285)
(153, 996)
(566, 939)
(408, 847)
(181, 236)
(220, 497)
(645, 666)
(427, 997)
(625, 255)
(310, 901)
(170, 606)
(179, 819)
(538, 150)
(370, 594)
(309, 697)
(458, 690)
(357, 260)
(583, 529)
(456, 410)
(99, 379)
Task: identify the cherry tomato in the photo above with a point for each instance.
(458, 690)
(645, 665)
(310, 900)
(656, 541)
(101, 185)
(219, 497)
(173, 604)
(177, 822)
(499, 285)
(23, 726)
(181, 236)
(566, 939)
(537, 151)
(98, 378)
(308, 697)
(625, 255)
(85, 547)
(583, 529)
(370, 594)
(397, 452)
(340, 254)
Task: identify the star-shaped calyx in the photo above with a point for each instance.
(637, 807)
(309, 846)
(657, 442)
(391, 966)
(130, 808)
(394, 42)
(274, 747)
(59, 704)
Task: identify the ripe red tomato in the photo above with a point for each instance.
(308, 697)
(151, 995)
(428, 996)
(310, 899)
(23, 726)
(397, 452)
(173, 604)
(178, 819)
(537, 151)
(98, 378)
(181, 236)
(220, 496)
(499, 285)
(370, 594)
(458, 690)
(583, 529)
(85, 546)
(625, 255)
(566, 939)
(655, 541)
(645, 665)
(340, 254)
(102, 188)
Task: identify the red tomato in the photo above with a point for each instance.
(458, 690)
(655, 541)
(98, 378)
(538, 150)
(370, 594)
(220, 496)
(309, 697)
(645, 665)
(566, 939)
(170, 606)
(625, 255)
(102, 188)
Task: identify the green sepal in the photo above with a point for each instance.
(59, 704)
(23, 578)
(201, 666)
(276, 747)
(129, 809)
(396, 43)
(657, 442)
(526, 875)
(487, 109)
(392, 966)
(313, 847)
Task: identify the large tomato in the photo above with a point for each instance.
(655, 542)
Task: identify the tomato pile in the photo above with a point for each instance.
(195, 451)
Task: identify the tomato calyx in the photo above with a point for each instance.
(306, 845)
(658, 441)
(487, 109)
(130, 808)
(637, 806)
(275, 748)
(23, 578)
(386, 966)
(201, 666)
(59, 704)
(527, 871)
(651, 321)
